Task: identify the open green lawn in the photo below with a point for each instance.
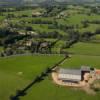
(85, 48)
(31, 66)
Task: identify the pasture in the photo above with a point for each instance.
(85, 48)
(76, 61)
(73, 17)
(30, 66)
(49, 91)
(2, 18)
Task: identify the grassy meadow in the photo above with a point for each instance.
(76, 61)
(30, 66)
(85, 48)
(49, 91)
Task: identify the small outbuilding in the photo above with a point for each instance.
(84, 70)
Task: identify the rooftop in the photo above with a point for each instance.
(85, 68)
(70, 71)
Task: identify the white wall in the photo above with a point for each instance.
(69, 76)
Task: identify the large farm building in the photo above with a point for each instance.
(81, 77)
(73, 75)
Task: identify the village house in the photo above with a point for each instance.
(28, 43)
(36, 14)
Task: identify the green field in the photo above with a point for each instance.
(31, 66)
(47, 90)
(78, 60)
(74, 18)
(85, 48)
(2, 18)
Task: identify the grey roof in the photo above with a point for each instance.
(85, 68)
(70, 71)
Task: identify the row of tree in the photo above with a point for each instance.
(37, 79)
